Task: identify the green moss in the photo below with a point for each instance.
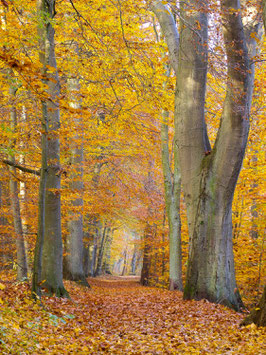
(189, 291)
(206, 162)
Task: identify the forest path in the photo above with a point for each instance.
(125, 317)
(119, 316)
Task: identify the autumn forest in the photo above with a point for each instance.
(132, 177)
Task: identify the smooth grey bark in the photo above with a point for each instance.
(172, 180)
(172, 186)
(169, 30)
(209, 178)
(49, 253)
(15, 203)
(73, 263)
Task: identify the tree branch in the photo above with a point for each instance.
(169, 30)
(20, 167)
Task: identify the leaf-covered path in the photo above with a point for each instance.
(118, 316)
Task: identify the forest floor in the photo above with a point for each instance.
(118, 316)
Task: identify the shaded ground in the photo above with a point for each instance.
(118, 316)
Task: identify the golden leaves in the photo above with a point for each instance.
(119, 316)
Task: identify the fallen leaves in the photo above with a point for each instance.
(119, 317)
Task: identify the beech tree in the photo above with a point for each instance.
(73, 265)
(49, 252)
(258, 315)
(208, 175)
(22, 267)
(172, 179)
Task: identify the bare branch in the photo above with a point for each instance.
(20, 167)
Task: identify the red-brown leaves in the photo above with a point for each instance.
(118, 316)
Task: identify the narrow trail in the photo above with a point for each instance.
(119, 316)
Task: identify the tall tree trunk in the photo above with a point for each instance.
(172, 180)
(48, 258)
(172, 186)
(209, 179)
(15, 203)
(73, 265)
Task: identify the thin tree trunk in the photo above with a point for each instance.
(133, 261)
(146, 265)
(15, 203)
(107, 268)
(94, 253)
(172, 180)
(124, 263)
(86, 260)
(172, 187)
(49, 252)
(6, 243)
(101, 252)
(73, 264)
